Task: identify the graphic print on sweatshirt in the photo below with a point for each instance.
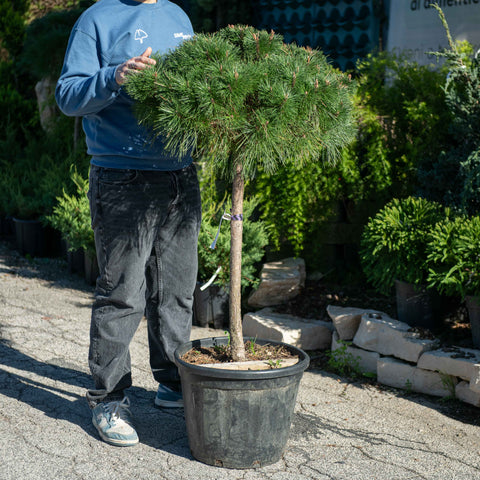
(140, 35)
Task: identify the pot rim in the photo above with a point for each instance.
(299, 367)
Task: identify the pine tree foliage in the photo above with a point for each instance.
(242, 96)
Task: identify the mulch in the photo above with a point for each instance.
(452, 323)
(221, 353)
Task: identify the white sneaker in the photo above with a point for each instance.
(113, 422)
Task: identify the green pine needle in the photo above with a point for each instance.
(242, 95)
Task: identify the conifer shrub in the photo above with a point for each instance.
(71, 216)
(402, 121)
(453, 258)
(394, 242)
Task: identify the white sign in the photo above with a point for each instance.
(415, 25)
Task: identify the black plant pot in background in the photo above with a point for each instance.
(36, 240)
(416, 306)
(210, 306)
(7, 227)
(90, 268)
(238, 418)
(76, 261)
(473, 307)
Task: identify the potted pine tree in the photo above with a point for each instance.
(243, 98)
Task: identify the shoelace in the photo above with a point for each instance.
(119, 410)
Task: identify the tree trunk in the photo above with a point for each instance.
(236, 232)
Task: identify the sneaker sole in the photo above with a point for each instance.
(168, 404)
(115, 441)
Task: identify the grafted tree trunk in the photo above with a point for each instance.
(236, 233)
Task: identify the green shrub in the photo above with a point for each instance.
(401, 119)
(409, 102)
(33, 176)
(293, 200)
(394, 241)
(12, 24)
(49, 33)
(19, 109)
(365, 172)
(453, 256)
(71, 216)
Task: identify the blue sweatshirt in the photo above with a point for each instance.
(106, 35)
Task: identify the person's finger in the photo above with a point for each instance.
(147, 52)
(146, 57)
(138, 65)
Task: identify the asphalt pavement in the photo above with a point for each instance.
(341, 429)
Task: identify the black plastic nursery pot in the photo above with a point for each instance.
(34, 239)
(238, 418)
(473, 306)
(210, 306)
(415, 305)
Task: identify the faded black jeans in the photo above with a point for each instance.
(146, 226)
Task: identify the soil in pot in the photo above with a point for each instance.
(271, 355)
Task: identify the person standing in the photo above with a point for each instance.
(145, 206)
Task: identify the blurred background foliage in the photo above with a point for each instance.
(418, 135)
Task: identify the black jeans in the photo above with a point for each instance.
(146, 226)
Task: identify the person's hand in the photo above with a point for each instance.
(136, 63)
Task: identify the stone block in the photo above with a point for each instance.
(386, 336)
(279, 282)
(398, 374)
(346, 320)
(395, 373)
(303, 333)
(366, 361)
(464, 393)
(456, 361)
(475, 379)
(45, 90)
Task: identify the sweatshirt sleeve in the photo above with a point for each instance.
(87, 83)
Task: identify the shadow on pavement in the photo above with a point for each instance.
(55, 271)
(158, 428)
(56, 402)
